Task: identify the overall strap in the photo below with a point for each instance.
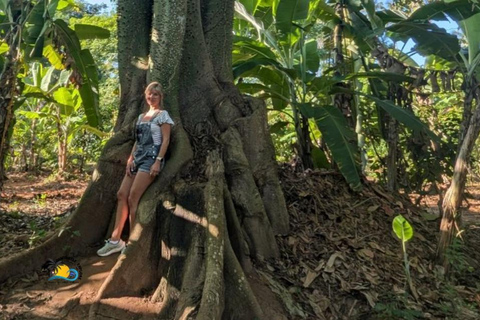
(156, 114)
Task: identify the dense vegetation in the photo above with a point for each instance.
(374, 90)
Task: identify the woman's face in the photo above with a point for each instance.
(153, 98)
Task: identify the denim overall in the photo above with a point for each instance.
(145, 155)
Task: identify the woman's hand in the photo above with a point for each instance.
(130, 167)
(155, 169)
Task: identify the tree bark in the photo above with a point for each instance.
(217, 204)
(8, 80)
(451, 220)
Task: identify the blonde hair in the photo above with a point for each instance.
(154, 86)
(157, 87)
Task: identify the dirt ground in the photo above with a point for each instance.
(31, 207)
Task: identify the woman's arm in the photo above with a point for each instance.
(166, 128)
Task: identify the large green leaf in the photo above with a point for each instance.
(34, 24)
(257, 88)
(36, 73)
(241, 68)
(471, 29)
(319, 9)
(429, 38)
(252, 47)
(312, 58)
(87, 31)
(458, 10)
(289, 11)
(250, 5)
(64, 100)
(3, 47)
(339, 138)
(53, 57)
(402, 228)
(85, 65)
(50, 79)
(90, 129)
(404, 116)
(385, 76)
(390, 16)
(276, 81)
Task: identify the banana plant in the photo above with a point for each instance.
(273, 45)
(60, 103)
(29, 31)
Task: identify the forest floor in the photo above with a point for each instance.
(340, 260)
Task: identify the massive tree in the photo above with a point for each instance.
(216, 205)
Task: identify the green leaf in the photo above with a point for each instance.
(321, 10)
(3, 47)
(278, 127)
(429, 39)
(339, 138)
(471, 28)
(36, 73)
(34, 24)
(289, 11)
(64, 77)
(391, 16)
(402, 228)
(385, 76)
(29, 114)
(64, 100)
(53, 57)
(252, 47)
(438, 10)
(50, 79)
(85, 65)
(250, 5)
(257, 88)
(319, 158)
(87, 31)
(241, 68)
(313, 60)
(404, 116)
(64, 4)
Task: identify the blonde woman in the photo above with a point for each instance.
(145, 162)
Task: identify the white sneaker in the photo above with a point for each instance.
(110, 248)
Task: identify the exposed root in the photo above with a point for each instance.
(258, 149)
(247, 200)
(212, 303)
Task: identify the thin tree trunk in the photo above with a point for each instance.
(392, 157)
(451, 220)
(61, 156)
(33, 149)
(8, 80)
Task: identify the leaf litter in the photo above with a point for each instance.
(341, 259)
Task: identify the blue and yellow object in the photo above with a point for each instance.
(64, 272)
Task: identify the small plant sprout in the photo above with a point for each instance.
(404, 231)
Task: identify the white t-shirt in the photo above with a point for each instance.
(161, 118)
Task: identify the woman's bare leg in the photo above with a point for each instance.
(122, 207)
(140, 184)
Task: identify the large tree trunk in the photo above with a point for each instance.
(451, 220)
(217, 204)
(8, 80)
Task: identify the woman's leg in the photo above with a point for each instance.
(140, 184)
(122, 207)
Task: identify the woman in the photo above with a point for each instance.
(143, 165)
